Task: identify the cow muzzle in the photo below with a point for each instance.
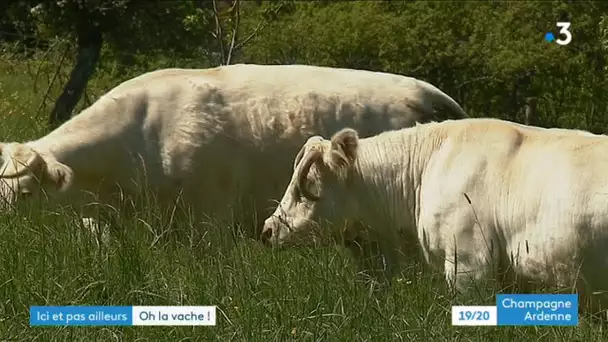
(270, 232)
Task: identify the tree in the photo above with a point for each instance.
(131, 28)
(230, 11)
(124, 25)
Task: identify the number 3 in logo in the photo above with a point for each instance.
(564, 31)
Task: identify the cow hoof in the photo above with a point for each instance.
(98, 230)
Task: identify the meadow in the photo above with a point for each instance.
(262, 294)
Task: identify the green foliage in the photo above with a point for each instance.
(131, 29)
(489, 56)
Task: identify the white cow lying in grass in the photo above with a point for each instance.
(213, 136)
(481, 197)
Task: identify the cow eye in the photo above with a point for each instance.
(26, 194)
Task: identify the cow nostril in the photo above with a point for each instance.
(266, 235)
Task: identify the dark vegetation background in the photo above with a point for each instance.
(57, 57)
(490, 56)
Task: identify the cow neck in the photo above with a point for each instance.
(88, 143)
(387, 175)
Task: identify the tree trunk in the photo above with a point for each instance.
(89, 49)
(530, 113)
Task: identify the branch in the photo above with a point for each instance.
(234, 30)
(86, 98)
(57, 71)
(479, 79)
(219, 34)
(261, 25)
(419, 66)
(42, 60)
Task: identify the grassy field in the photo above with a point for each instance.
(262, 294)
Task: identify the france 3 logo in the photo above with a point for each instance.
(564, 31)
(521, 310)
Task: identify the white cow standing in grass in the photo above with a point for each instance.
(481, 197)
(214, 137)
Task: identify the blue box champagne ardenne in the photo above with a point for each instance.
(521, 310)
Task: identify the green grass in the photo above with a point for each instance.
(262, 294)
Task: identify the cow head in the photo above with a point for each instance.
(317, 190)
(24, 173)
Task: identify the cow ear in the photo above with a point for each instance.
(343, 149)
(60, 175)
(18, 159)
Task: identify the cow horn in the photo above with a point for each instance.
(312, 140)
(312, 156)
(298, 157)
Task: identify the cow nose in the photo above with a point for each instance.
(266, 235)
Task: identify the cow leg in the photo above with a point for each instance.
(553, 260)
(454, 241)
(102, 217)
(366, 255)
(377, 261)
(99, 230)
(474, 266)
(465, 272)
